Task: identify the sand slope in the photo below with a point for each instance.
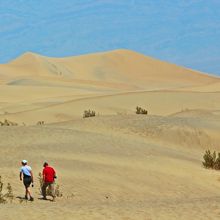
(59, 89)
(119, 66)
(117, 165)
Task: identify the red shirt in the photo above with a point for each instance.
(48, 173)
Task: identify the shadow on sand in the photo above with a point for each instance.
(51, 200)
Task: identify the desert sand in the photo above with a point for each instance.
(117, 165)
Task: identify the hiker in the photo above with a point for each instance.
(27, 176)
(49, 175)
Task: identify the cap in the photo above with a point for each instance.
(24, 161)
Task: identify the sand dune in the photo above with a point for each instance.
(119, 66)
(117, 165)
(121, 167)
(111, 82)
(157, 103)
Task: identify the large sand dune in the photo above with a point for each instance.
(117, 165)
(110, 82)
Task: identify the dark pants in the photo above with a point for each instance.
(51, 189)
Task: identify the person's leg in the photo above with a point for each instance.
(28, 192)
(44, 190)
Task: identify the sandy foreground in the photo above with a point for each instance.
(117, 165)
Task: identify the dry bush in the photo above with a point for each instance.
(217, 162)
(140, 110)
(57, 191)
(8, 123)
(8, 196)
(2, 197)
(89, 113)
(41, 182)
(40, 123)
(211, 160)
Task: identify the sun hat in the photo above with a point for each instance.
(24, 161)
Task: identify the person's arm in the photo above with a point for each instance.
(55, 176)
(20, 175)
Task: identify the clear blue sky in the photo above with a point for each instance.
(185, 32)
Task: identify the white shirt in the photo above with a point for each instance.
(26, 170)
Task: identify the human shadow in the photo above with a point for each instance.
(50, 200)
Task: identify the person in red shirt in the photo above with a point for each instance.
(49, 175)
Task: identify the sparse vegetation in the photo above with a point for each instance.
(40, 179)
(57, 191)
(8, 196)
(40, 123)
(89, 113)
(211, 160)
(8, 123)
(140, 110)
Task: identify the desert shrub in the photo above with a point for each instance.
(8, 123)
(41, 182)
(217, 162)
(211, 160)
(8, 196)
(89, 113)
(140, 110)
(57, 191)
(40, 123)
(2, 197)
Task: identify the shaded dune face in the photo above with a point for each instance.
(56, 89)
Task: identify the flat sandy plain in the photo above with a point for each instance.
(117, 165)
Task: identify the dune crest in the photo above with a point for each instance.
(119, 66)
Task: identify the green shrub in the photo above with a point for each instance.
(211, 160)
(140, 110)
(89, 113)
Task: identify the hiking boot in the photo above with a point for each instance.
(26, 197)
(31, 199)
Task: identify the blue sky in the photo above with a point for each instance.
(185, 32)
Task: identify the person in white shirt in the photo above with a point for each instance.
(27, 176)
